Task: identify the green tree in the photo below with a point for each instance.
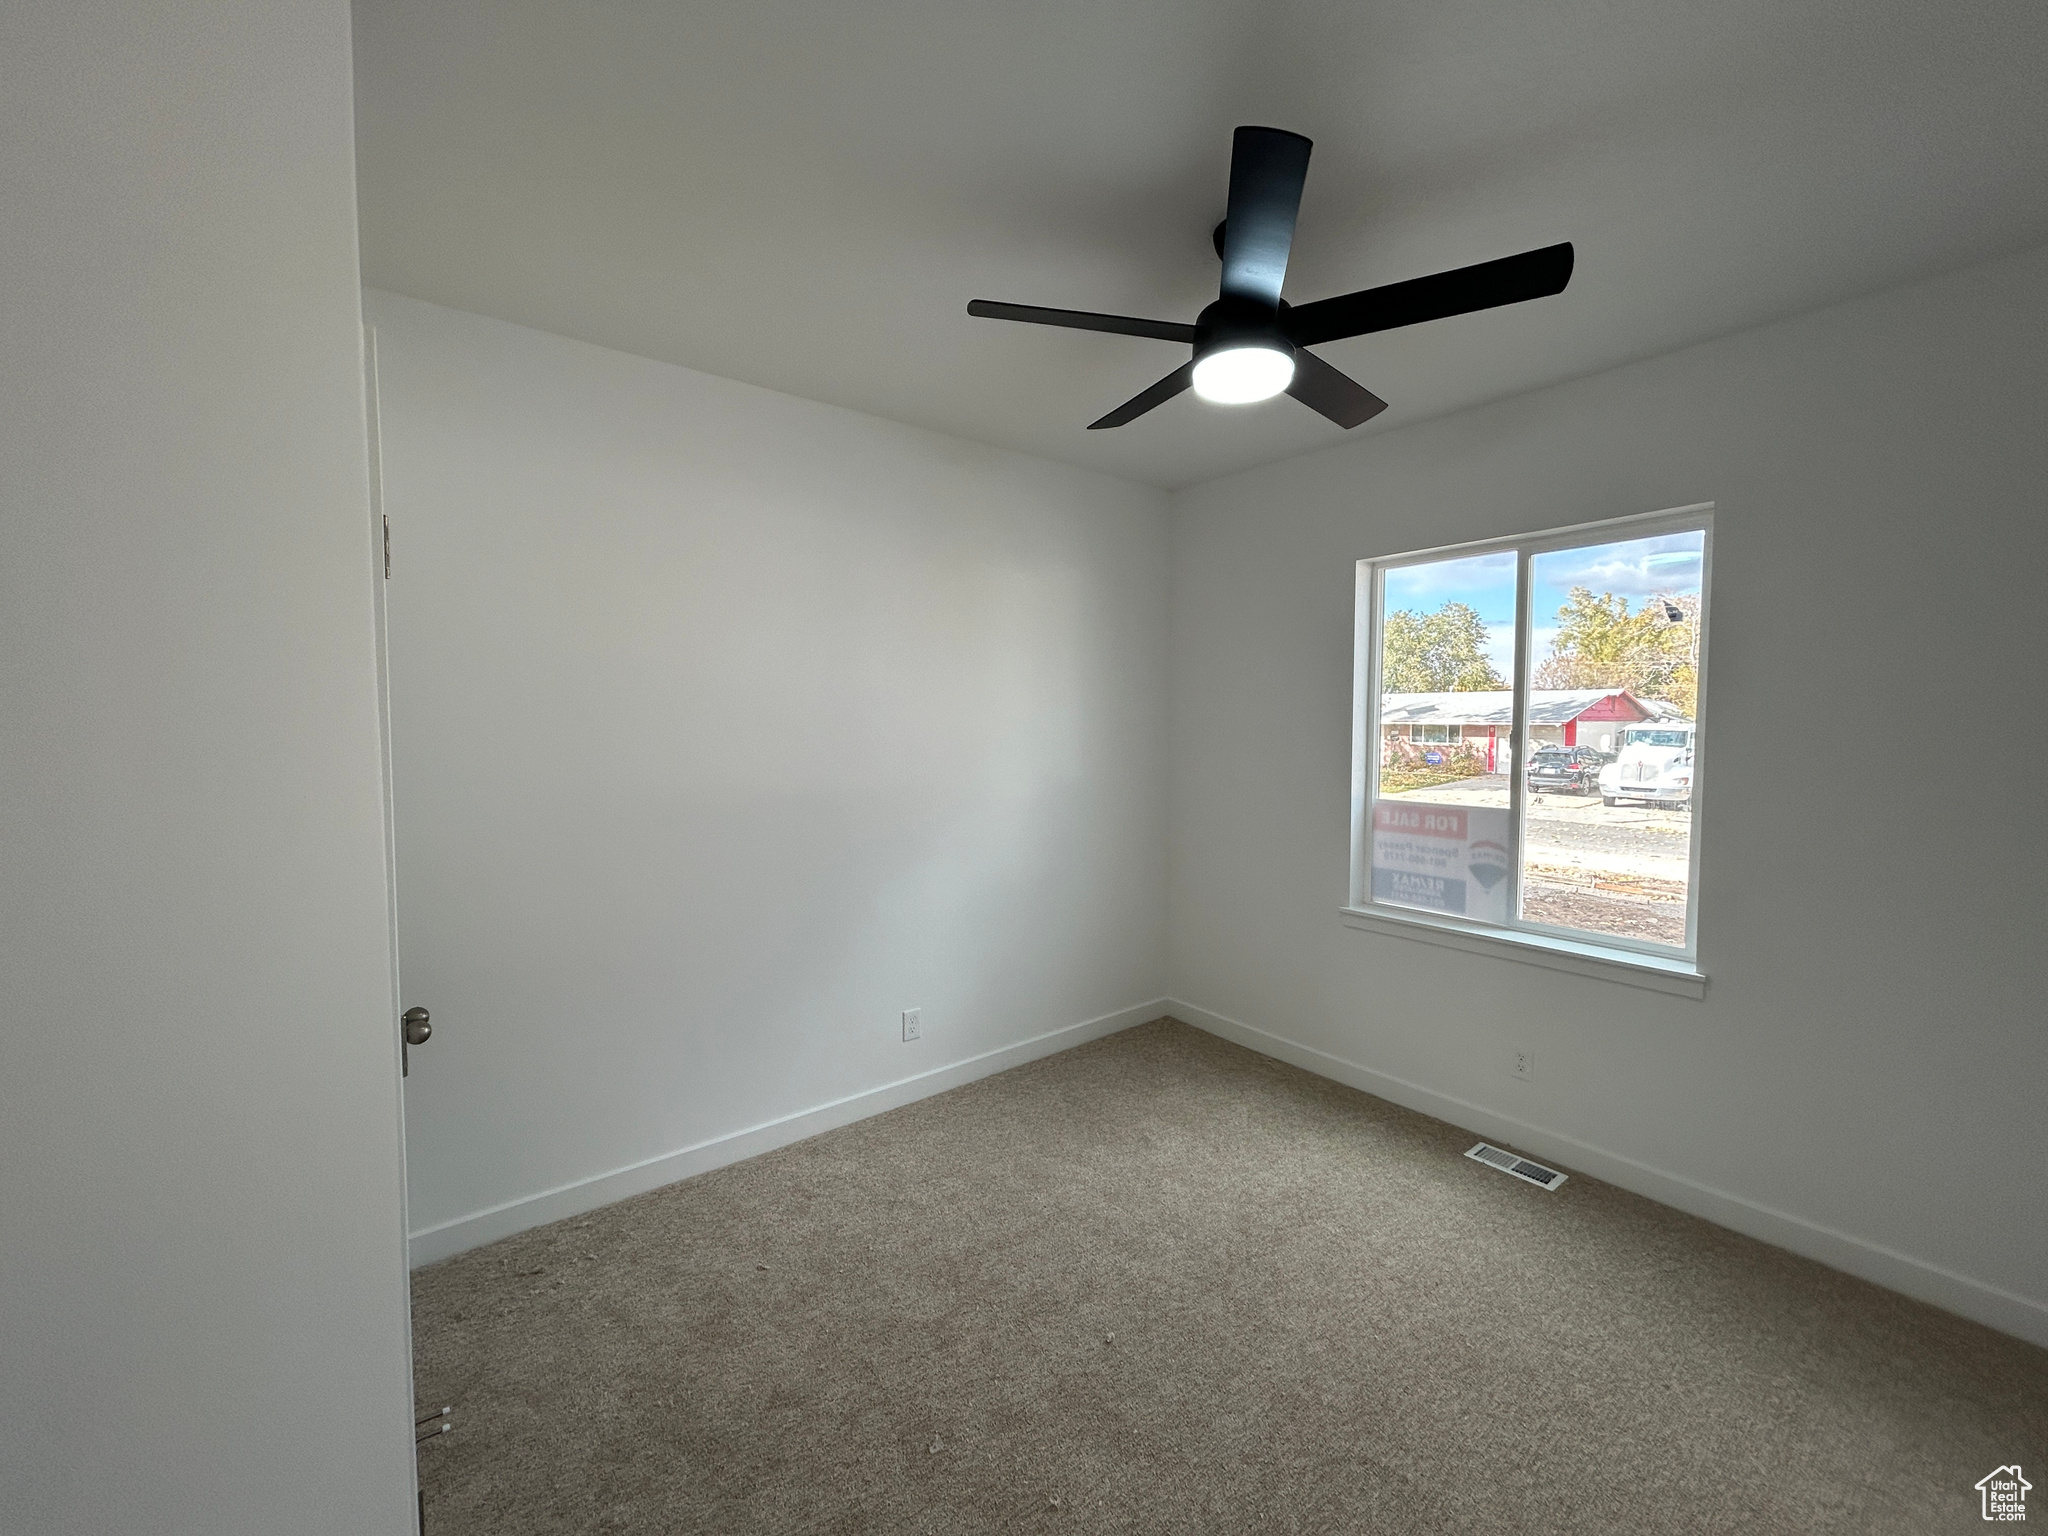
(1601, 644)
(1441, 652)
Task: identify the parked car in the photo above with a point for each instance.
(1654, 766)
(1567, 770)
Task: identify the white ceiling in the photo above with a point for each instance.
(805, 193)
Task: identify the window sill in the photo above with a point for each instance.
(1681, 978)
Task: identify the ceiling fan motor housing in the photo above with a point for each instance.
(1240, 322)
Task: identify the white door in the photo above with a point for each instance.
(412, 1023)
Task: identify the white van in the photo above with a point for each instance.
(1654, 766)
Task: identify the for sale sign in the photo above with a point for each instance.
(1442, 858)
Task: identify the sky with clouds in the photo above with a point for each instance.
(1667, 563)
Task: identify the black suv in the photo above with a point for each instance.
(1568, 770)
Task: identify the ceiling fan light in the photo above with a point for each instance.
(1240, 375)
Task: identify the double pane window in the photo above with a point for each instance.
(1529, 732)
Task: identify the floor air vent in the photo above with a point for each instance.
(1520, 1167)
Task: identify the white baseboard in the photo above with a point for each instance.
(1990, 1305)
(536, 1210)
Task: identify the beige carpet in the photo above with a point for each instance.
(1161, 1284)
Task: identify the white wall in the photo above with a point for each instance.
(727, 726)
(202, 1302)
(1865, 1076)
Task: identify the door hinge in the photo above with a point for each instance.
(387, 547)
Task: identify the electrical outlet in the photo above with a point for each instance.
(1522, 1066)
(913, 1023)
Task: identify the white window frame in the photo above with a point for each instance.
(1663, 968)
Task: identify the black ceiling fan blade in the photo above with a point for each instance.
(1332, 393)
(1267, 169)
(1490, 284)
(1083, 320)
(1140, 403)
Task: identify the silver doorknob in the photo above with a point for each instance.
(417, 1030)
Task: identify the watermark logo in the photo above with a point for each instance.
(2005, 1494)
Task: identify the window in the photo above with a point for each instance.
(1579, 655)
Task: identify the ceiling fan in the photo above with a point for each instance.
(1251, 344)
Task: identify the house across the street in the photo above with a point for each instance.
(1570, 717)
